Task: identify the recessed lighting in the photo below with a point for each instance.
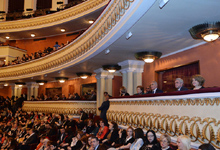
(41, 83)
(62, 30)
(32, 35)
(61, 81)
(91, 21)
(6, 84)
(7, 37)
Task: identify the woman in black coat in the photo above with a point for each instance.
(151, 142)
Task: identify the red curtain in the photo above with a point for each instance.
(15, 6)
(167, 77)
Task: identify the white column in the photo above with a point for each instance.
(12, 89)
(32, 88)
(132, 74)
(30, 4)
(3, 7)
(108, 86)
(55, 5)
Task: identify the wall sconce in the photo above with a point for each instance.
(41, 82)
(209, 32)
(148, 56)
(111, 68)
(61, 79)
(83, 75)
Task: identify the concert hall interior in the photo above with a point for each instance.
(155, 61)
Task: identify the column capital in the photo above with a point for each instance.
(132, 66)
(32, 84)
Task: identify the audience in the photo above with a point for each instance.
(179, 85)
(139, 139)
(126, 141)
(123, 91)
(103, 130)
(183, 142)
(140, 90)
(151, 142)
(165, 141)
(154, 88)
(197, 82)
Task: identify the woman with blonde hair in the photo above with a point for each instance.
(183, 142)
(165, 141)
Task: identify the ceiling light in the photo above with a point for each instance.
(41, 82)
(20, 84)
(83, 75)
(91, 21)
(32, 35)
(62, 30)
(148, 56)
(111, 68)
(6, 84)
(207, 31)
(7, 37)
(61, 79)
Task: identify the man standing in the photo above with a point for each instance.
(154, 88)
(104, 107)
(179, 85)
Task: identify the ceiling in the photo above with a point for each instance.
(164, 30)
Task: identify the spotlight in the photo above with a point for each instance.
(7, 37)
(148, 56)
(209, 32)
(91, 21)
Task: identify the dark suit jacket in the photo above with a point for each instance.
(104, 107)
(84, 116)
(31, 140)
(157, 91)
(183, 89)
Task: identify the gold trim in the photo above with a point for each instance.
(205, 130)
(80, 46)
(172, 102)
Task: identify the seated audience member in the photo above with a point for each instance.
(93, 95)
(183, 142)
(179, 85)
(50, 146)
(89, 142)
(32, 98)
(147, 89)
(126, 141)
(154, 88)
(206, 146)
(61, 137)
(90, 126)
(165, 141)
(96, 129)
(95, 143)
(40, 144)
(56, 46)
(197, 82)
(123, 91)
(151, 142)
(140, 90)
(139, 139)
(76, 142)
(103, 130)
(83, 116)
(77, 97)
(32, 138)
(63, 97)
(112, 135)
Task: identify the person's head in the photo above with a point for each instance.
(178, 83)
(138, 133)
(206, 146)
(62, 130)
(197, 80)
(165, 141)
(89, 122)
(105, 94)
(80, 111)
(153, 85)
(151, 137)
(123, 90)
(94, 142)
(183, 142)
(102, 123)
(140, 89)
(79, 134)
(130, 131)
(90, 139)
(45, 141)
(113, 126)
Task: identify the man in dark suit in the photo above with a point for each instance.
(83, 117)
(104, 107)
(179, 85)
(95, 143)
(154, 88)
(61, 136)
(30, 140)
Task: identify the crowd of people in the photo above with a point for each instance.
(26, 131)
(196, 80)
(36, 55)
